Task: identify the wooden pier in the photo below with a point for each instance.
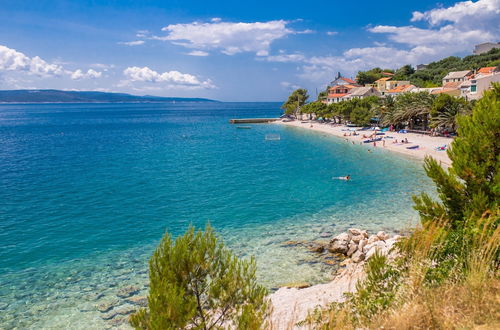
(253, 120)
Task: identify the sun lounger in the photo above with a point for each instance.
(412, 147)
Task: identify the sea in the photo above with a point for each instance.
(88, 190)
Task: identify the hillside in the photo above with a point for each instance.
(435, 71)
(59, 96)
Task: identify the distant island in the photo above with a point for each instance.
(59, 96)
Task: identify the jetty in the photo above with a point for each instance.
(252, 120)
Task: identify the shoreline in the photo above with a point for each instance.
(427, 144)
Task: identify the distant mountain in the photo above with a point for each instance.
(58, 96)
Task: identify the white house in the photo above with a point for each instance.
(457, 76)
(361, 93)
(474, 88)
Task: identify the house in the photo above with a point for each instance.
(474, 88)
(380, 84)
(457, 76)
(386, 83)
(400, 89)
(336, 93)
(487, 70)
(421, 67)
(452, 88)
(361, 93)
(342, 81)
(485, 47)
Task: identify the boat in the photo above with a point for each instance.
(244, 127)
(372, 140)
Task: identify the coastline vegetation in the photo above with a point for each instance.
(415, 110)
(197, 283)
(445, 276)
(447, 273)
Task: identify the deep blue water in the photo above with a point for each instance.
(87, 190)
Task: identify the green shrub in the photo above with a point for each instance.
(197, 283)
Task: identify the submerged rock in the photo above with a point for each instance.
(127, 291)
(316, 247)
(139, 301)
(297, 285)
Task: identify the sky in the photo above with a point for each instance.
(227, 50)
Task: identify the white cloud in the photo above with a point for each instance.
(216, 19)
(198, 53)
(466, 12)
(170, 78)
(285, 58)
(331, 33)
(452, 30)
(90, 74)
(12, 60)
(289, 86)
(229, 38)
(132, 43)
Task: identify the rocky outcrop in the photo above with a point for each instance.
(359, 245)
(291, 304)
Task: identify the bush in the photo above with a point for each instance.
(197, 283)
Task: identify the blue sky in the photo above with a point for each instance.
(227, 50)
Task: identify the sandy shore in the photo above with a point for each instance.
(427, 144)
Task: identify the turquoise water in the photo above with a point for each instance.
(87, 190)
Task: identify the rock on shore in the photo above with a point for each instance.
(291, 305)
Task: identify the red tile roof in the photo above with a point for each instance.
(335, 95)
(348, 80)
(488, 69)
(383, 79)
(398, 89)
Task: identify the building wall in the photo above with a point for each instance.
(484, 48)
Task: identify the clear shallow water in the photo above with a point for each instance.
(87, 190)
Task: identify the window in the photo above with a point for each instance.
(473, 88)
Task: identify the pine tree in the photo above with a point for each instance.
(471, 186)
(197, 283)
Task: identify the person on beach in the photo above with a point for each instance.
(406, 140)
(383, 143)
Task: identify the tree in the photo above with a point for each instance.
(404, 73)
(410, 107)
(368, 77)
(197, 283)
(297, 99)
(446, 109)
(471, 186)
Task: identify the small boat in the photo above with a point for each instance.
(372, 140)
(244, 127)
(412, 147)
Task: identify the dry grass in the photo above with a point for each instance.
(468, 299)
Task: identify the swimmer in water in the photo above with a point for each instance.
(346, 178)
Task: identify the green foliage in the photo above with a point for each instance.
(433, 74)
(404, 73)
(377, 291)
(296, 100)
(408, 108)
(446, 109)
(197, 283)
(472, 184)
(317, 108)
(369, 77)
